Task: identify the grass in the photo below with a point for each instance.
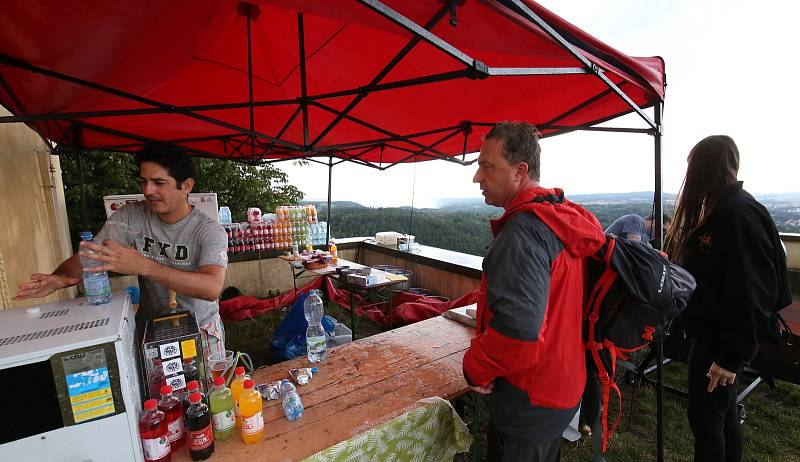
(771, 429)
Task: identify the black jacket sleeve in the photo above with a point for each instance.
(746, 288)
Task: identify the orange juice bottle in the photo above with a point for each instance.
(237, 386)
(250, 406)
(332, 250)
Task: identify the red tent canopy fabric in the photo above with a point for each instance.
(373, 85)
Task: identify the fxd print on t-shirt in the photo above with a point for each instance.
(193, 242)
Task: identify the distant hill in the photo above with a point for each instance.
(464, 204)
(462, 224)
(335, 204)
(639, 196)
(477, 204)
(790, 198)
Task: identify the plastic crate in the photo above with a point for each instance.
(341, 335)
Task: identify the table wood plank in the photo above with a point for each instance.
(359, 386)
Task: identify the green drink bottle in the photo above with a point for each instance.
(223, 420)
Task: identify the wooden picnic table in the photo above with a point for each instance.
(359, 386)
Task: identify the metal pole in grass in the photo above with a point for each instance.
(657, 202)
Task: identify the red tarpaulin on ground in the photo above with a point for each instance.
(374, 85)
(245, 307)
(406, 307)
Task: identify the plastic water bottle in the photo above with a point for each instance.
(292, 406)
(315, 334)
(98, 289)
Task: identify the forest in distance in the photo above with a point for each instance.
(463, 225)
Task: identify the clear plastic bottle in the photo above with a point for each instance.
(315, 334)
(153, 431)
(198, 426)
(223, 419)
(250, 405)
(173, 410)
(237, 387)
(292, 406)
(98, 289)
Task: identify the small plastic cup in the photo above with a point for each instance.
(219, 363)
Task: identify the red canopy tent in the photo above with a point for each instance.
(370, 82)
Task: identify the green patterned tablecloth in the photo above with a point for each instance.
(431, 432)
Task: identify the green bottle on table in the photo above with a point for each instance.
(223, 421)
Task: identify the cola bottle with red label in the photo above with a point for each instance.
(200, 434)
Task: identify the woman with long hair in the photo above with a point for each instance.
(729, 243)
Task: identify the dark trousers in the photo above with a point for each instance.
(508, 448)
(713, 417)
(592, 407)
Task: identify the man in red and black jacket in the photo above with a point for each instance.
(528, 357)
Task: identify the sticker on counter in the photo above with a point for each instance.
(170, 350)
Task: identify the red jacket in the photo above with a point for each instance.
(551, 369)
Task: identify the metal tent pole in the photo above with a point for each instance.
(328, 219)
(84, 216)
(658, 203)
(247, 7)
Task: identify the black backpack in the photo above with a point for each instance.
(633, 293)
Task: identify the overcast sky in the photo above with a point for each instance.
(731, 69)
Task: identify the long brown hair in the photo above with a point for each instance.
(713, 166)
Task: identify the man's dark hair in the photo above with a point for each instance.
(175, 161)
(520, 144)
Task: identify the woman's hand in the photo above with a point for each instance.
(719, 376)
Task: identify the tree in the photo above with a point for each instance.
(108, 173)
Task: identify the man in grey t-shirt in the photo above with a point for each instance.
(173, 247)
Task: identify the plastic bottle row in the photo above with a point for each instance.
(297, 213)
(169, 423)
(271, 229)
(293, 213)
(243, 245)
